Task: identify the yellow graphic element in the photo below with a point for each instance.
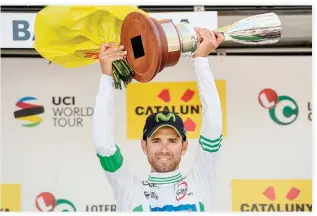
(10, 197)
(271, 195)
(143, 99)
(31, 118)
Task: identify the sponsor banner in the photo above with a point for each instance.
(18, 28)
(179, 97)
(206, 19)
(272, 195)
(47, 202)
(101, 208)
(310, 110)
(282, 109)
(30, 112)
(10, 197)
(57, 154)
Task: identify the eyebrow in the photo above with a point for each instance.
(173, 138)
(157, 138)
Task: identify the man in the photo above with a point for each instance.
(164, 143)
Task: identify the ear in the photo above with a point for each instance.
(184, 147)
(144, 148)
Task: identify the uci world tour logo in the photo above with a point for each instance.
(46, 202)
(283, 110)
(29, 112)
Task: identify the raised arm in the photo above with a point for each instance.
(211, 128)
(108, 152)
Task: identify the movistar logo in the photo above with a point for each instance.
(161, 116)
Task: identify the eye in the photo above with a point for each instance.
(173, 141)
(155, 141)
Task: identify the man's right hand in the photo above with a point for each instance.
(108, 53)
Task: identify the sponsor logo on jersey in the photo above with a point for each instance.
(146, 183)
(179, 97)
(171, 208)
(272, 195)
(147, 194)
(181, 190)
(151, 195)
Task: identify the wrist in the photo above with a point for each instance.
(107, 76)
(200, 60)
(199, 55)
(107, 73)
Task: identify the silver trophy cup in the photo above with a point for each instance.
(258, 29)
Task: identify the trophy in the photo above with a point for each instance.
(153, 45)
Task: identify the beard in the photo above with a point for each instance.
(168, 165)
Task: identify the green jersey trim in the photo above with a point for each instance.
(111, 163)
(209, 145)
(138, 209)
(165, 180)
(201, 207)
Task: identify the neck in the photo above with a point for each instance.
(165, 177)
(153, 170)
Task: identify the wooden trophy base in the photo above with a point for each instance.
(151, 45)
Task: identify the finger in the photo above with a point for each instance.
(207, 33)
(120, 53)
(164, 21)
(114, 49)
(198, 43)
(199, 32)
(114, 58)
(212, 35)
(104, 46)
(203, 34)
(114, 43)
(110, 55)
(199, 37)
(220, 37)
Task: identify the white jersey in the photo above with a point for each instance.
(170, 191)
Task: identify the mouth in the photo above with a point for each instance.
(163, 159)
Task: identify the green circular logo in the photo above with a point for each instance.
(285, 111)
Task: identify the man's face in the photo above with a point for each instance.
(164, 149)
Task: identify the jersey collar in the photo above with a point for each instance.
(165, 178)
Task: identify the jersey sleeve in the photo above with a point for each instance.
(211, 129)
(108, 153)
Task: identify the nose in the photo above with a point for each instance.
(164, 148)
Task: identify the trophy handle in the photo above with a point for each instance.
(222, 30)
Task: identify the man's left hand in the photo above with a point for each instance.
(210, 41)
